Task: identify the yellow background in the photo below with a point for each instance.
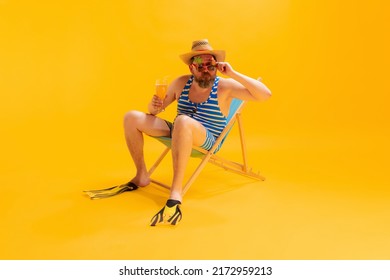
(69, 70)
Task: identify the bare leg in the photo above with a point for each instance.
(186, 133)
(135, 124)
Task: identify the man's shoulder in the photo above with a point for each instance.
(181, 81)
(183, 78)
(178, 84)
(225, 83)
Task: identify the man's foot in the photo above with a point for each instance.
(141, 180)
(170, 214)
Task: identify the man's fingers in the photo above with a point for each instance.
(221, 67)
(157, 102)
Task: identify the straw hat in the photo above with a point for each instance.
(200, 47)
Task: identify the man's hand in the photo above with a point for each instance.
(156, 105)
(225, 68)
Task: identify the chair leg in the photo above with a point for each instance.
(243, 144)
(155, 165)
(158, 161)
(197, 171)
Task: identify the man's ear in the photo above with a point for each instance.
(191, 67)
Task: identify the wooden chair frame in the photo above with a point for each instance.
(210, 156)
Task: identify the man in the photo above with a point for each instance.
(203, 104)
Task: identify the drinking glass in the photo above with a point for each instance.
(161, 87)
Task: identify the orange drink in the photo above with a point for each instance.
(161, 90)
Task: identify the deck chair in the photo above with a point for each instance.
(210, 156)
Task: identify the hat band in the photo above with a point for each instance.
(200, 43)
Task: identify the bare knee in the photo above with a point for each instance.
(133, 118)
(182, 122)
(184, 127)
(188, 129)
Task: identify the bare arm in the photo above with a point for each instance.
(242, 86)
(157, 105)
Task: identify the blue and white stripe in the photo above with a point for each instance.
(208, 113)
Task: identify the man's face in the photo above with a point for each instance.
(204, 70)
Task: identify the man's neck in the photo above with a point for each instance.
(201, 89)
(199, 94)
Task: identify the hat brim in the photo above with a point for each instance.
(219, 55)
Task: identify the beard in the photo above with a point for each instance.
(205, 80)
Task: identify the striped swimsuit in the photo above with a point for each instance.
(207, 113)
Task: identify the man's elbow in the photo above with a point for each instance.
(268, 93)
(265, 92)
(264, 95)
